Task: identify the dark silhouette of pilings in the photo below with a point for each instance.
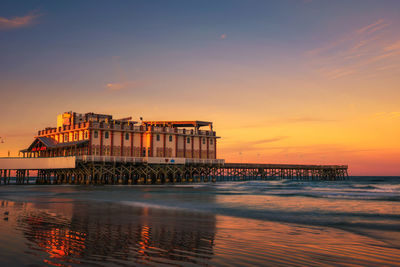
(114, 173)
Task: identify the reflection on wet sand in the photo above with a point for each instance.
(258, 243)
(119, 234)
(67, 232)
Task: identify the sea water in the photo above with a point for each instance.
(251, 223)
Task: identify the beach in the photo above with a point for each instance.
(249, 223)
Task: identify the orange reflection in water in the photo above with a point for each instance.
(61, 244)
(52, 233)
(287, 244)
(100, 233)
(144, 239)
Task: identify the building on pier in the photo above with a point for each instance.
(97, 149)
(101, 135)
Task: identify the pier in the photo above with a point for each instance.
(91, 148)
(102, 170)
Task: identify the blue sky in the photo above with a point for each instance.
(87, 33)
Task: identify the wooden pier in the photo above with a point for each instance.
(124, 170)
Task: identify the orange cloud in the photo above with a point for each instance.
(19, 22)
(252, 145)
(120, 86)
(282, 122)
(390, 115)
(393, 46)
(307, 119)
(338, 73)
(265, 141)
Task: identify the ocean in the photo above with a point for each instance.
(251, 223)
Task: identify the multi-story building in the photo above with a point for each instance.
(101, 135)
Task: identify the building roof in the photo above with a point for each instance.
(179, 123)
(51, 143)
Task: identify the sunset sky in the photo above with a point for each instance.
(300, 81)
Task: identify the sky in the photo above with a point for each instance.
(296, 81)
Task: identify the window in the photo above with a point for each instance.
(158, 137)
(106, 135)
(188, 140)
(170, 138)
(76, 136)
(127, 136)
(65, 137)
(96, 134)
(86, 135)
(204, 141)
(211, 141)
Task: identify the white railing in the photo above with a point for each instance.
(157, 129)
(205, 161)
(91, 158)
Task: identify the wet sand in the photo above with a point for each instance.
(73, 226)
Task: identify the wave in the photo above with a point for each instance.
(336, 219)
(157, 206)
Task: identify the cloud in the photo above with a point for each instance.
(265, 141)
(388, 115)
(388, 67)
(362, 51)
(338, 73)
(307, 119)
(121, 86)
(291, 120)
(283, 121)
(253, 145)
(19, 22)
(371, 28)
(393, 46)
(223, 36)
(356, 39)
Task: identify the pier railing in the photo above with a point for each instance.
(149, 160)
(90, 158)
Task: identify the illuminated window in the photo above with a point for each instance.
(96, 134)
(158, 137)
(188, 140)
(106, 135)
(127, 136)
(170, 138)
(204, 141)
(65, 137)
(76, 136)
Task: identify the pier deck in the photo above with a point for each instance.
(130, 170)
